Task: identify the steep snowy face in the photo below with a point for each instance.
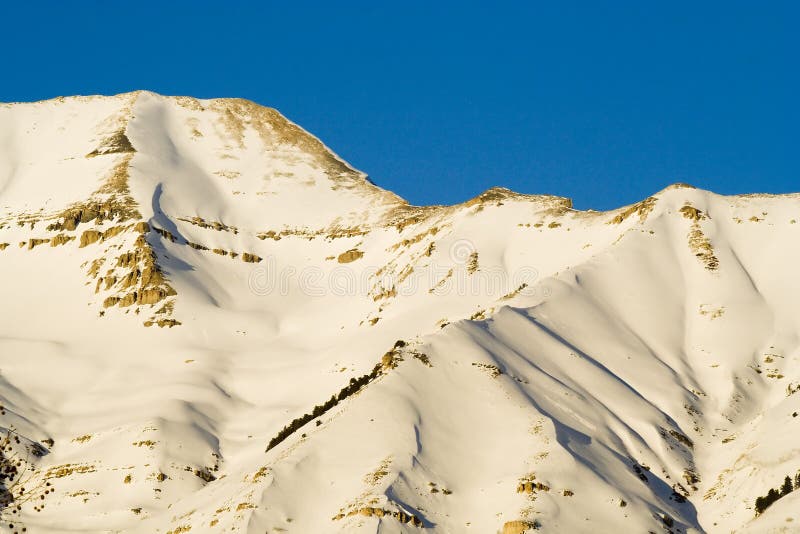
(206, 155)
(116, 170)
(209, 321)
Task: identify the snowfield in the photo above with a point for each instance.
(211, 323)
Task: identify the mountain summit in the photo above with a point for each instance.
(211, 322)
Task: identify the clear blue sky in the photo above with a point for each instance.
(603, 102)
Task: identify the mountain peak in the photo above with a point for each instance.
(219, 152)
(211, 322)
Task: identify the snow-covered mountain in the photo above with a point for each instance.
(210, 322)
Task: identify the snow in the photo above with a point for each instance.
(628, 369)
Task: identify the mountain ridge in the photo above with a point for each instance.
(192, 102)
(231, 331)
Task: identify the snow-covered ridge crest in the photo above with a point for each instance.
(210, 321)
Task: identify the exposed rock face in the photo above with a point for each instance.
(690, 212)
(117, 143)
(472, 263)
(143, 273)
(161, 323)
(700, 245)
(212, 225)
(61, 239)
(90, 236)
(369, 511)
(350, 256)
(152, 296)
(110, 202)
(642, 209)
(517, 527)
(33, 242)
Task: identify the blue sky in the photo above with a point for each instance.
(602, 102)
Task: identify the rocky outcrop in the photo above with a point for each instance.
(161, 323)
(61, 239)
(136, 277)
(211, 225)
(166, 234)
(330, 233)
(90, 236)
(97, 211)
(350, 256)
(530, 487)
(518, 526)
(642, 209)
(701, 247)
(113, 231)
(110, 202)
(692, 213)
(152, 296)
(472, 262)
(372, 511)
(116, 143)
(34, 242)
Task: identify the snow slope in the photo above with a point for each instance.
(212, 323)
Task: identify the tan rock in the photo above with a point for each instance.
(269, 235)
(90, 236)
(151, 296)
(166, 234)
(642, 209)
(151, 276)
(128, 259)
(61, 239)
(33, 242)
(111, 232)
(349, 256)
(472, 262)
(517, 527)
(690, 212)
(128, 300)
(130, 279)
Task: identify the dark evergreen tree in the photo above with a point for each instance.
(760, 505)
(786, 489)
